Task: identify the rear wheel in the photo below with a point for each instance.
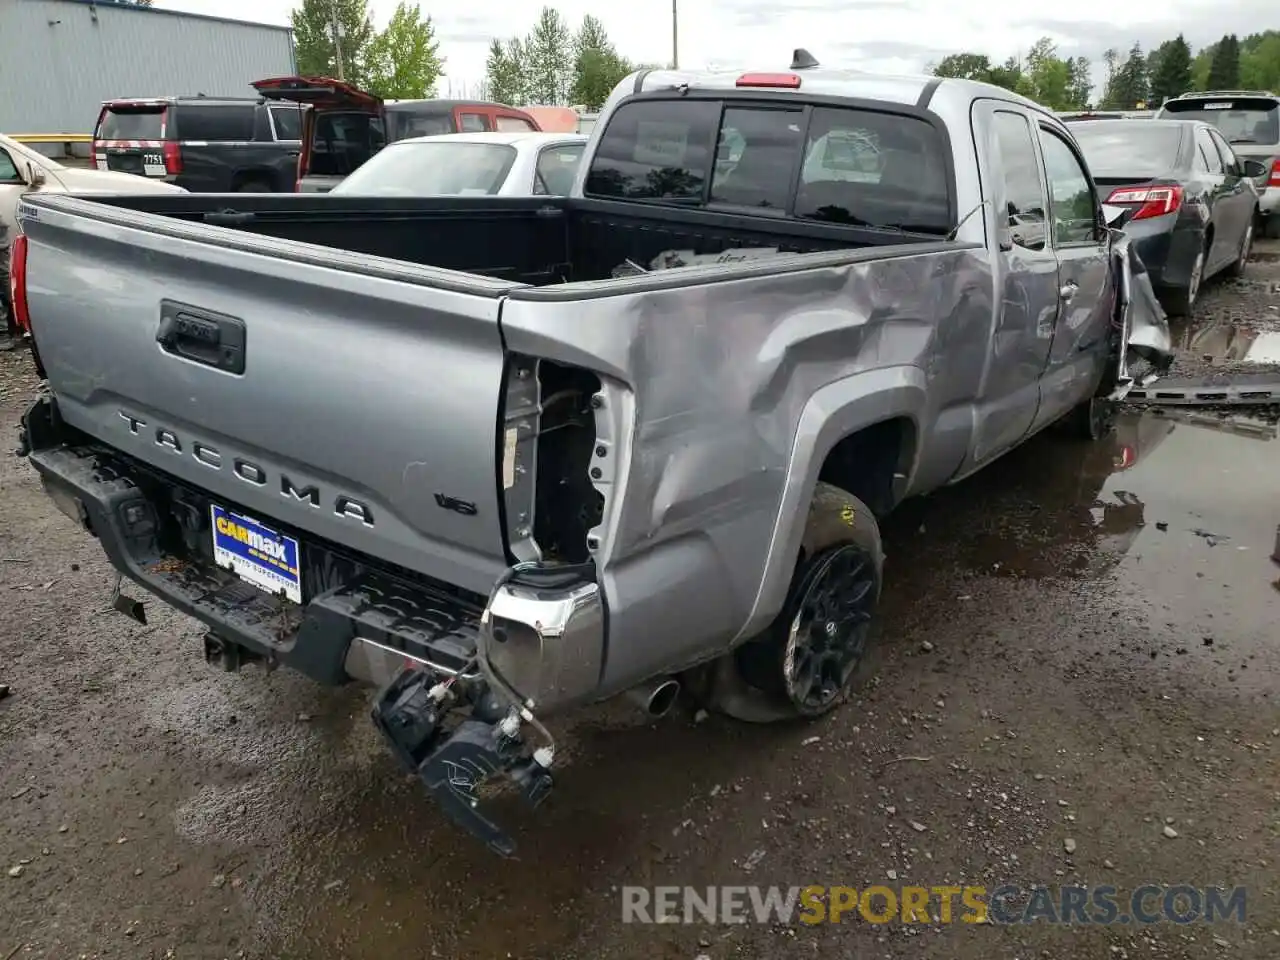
(1246, 244)
(805, 662)
(1182, 301)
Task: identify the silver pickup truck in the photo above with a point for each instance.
(505, 456)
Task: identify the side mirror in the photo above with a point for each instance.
(35, 176)
(1253, 169)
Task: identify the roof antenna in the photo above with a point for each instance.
(802, 59)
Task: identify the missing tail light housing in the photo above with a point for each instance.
(783, 81)
(1151, 201)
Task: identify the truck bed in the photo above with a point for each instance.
(535, 240)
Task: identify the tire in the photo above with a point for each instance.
(254, 186)
(1092, 420)
(805, 663)
(1182, 301)
(1246, 244)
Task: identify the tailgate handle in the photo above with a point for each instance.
(202, 336)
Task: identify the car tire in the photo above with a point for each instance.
(807, 660)
(1092, 420)
(1246, 244)
(1181, 301)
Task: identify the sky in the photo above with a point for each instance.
(874, 35)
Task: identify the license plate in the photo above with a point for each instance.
(257, 554)
(153, 165)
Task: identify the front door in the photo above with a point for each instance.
(1026, 284)
(1081, 342)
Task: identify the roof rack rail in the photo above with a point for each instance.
(1224, 93)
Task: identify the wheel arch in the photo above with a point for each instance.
(880, 411)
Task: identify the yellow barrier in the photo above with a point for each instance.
(52, 137)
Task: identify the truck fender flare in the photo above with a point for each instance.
(833, 413)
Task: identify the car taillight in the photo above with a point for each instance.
(172, 158)
(785, 81)
(18, 282)
(1156, 201)
(1275, 174)
(99, 154)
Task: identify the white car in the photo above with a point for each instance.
(23, 170)
(516, 164)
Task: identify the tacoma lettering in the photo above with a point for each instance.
(211, 457)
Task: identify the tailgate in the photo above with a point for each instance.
(352, 397)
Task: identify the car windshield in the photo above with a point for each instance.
(1129, 150)
(426, 168)
(1242, 120)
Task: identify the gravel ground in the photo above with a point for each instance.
(1076, 682)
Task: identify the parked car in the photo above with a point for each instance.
(503, 456)
(470, 164)
(25, 172)
(1194, 202)
(346, 125)
(1250, 121)
(203, 144)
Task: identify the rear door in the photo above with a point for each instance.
(130, 137)
(213, 138)
(1218, 190)
(1027, 284)
(1081, 331)
(1239, 198)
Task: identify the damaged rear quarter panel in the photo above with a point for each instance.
(736, 382)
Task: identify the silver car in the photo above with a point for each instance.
(517, 164)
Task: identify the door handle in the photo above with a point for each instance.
(1068, 290)
(202, 336)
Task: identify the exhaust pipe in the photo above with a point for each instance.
(656, 697)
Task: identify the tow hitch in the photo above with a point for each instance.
(452, 764)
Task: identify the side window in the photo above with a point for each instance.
(8, 169)
(1071, 196)
(556, 167)
(472, 122)
(767, 145)
(1229, 162)
(215, 123)
(287, 122)
(1211, 155)
(1023, 186)
(512, 124)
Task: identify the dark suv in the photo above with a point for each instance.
(205, 144)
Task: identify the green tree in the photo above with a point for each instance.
(1224, 67)
(597, 66)
(1128, 85)
(1049, 75)
(1080, 87)
(549, 59)
(1260, 61)
(1169, 69)
(404, 62)
(504, 72)
(965, 66)
(314, 42)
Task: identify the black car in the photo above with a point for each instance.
(1194, 202)
(204, 144)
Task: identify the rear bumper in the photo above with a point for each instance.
(359, 622)
(1166, 250)
(1269, 202)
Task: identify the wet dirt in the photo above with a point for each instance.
(1079, 644)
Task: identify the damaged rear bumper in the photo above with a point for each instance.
(462, 679)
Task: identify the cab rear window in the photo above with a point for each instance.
(833, 164)
(131, 123)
